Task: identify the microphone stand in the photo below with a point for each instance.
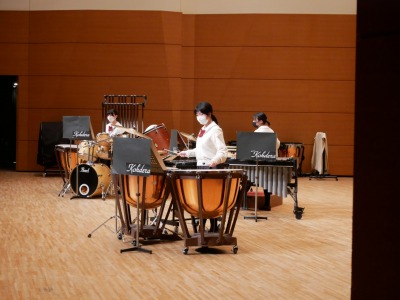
(255, 198)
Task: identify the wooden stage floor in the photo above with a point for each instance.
(46, 252)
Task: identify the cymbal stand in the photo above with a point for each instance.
(186, 145)
(255, 198)
(138, 246)
(118, 230)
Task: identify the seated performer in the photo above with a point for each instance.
(262, 124)
(105, 139)
(112, 127)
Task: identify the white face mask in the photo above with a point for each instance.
(110, 118)
(202, 119)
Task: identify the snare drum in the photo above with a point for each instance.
(104, 145)
(87, 150)
(159, 135)
(90, 180)
(151, 190)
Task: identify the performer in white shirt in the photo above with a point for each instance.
(262, 124)
(112, 127)
(210, 148)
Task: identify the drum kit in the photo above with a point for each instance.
(83, 172)
(86, 165)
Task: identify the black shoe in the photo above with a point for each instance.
(265, 207)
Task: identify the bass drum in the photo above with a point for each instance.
(90, 180)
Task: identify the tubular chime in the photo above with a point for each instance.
(130, 110)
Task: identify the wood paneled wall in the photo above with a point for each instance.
(299, 69)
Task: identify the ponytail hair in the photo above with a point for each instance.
(205, 108)
(260, 116)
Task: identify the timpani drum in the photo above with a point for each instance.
(151, 190)
(90, 180)
(104, 145)
(87, 150)
(144, 193)
(67, 157)
(288, 149)
(293, 150)
(159, 135)
(208, 194)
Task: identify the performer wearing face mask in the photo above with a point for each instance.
(210, 148)
(111, 127)
(262, 124)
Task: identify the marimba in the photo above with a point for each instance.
(278, 176)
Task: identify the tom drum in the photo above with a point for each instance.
(87, 150)
(159, 135)
(104, 145)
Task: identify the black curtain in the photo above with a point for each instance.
(50, 135)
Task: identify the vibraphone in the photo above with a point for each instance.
(280, 177)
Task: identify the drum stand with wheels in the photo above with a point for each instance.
(255, 198)
(138, 246)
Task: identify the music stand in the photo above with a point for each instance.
(256, 146)
(77, 128)
(132, 157)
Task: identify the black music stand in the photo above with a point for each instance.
(256, 146)
(77, 128)
(132, 157)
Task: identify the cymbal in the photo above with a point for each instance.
(189, 136)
